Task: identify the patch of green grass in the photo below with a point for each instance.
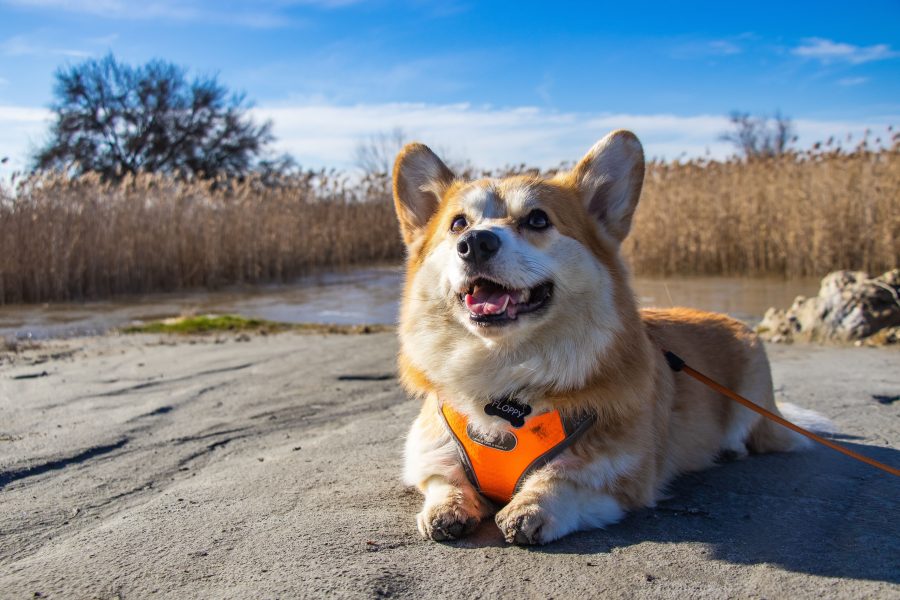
(339, 329)
(236, 323)
(205, 324)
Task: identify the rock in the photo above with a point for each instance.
(849, 307)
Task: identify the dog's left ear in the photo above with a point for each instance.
(609, 178)
(420, 180)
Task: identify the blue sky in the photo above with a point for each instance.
(491, 82)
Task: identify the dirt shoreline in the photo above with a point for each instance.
(146, 466)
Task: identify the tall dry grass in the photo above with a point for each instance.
(800, 214)
(64, 238)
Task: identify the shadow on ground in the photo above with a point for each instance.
(815, 512)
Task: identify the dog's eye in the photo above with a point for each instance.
(459, 223)
(537, 219)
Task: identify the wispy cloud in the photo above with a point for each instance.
(724, 47)
(21, 129)
(343, 73)
(23, 115)
(20, 45)
(851, 81)
(104, 40)
(828, 51)
(694, 49)
(325, 135)
(93, 7)
(259, 14)
(320, 3)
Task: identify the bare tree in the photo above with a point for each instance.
(760, 136)
(113, 118)
(375, 155)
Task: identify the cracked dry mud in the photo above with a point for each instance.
(146, 467)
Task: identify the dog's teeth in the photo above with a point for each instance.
(505, 304)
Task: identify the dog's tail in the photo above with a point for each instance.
(807, 419)
(768, 436)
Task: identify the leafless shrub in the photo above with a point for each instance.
(757, 137)
(375, 155)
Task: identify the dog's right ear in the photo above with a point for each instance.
(420, 180)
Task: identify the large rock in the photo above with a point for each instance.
(850, 306)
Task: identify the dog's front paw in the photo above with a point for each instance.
(451, 519)
(445, 522)
(525, 524)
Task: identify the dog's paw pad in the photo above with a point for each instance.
(523, 525)
(442, 523)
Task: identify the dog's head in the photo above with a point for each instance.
(514, 284)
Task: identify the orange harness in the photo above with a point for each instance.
(498, 466)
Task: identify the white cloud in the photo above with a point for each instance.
(104, 40)
(321, 134)
(828, 51)
(118, 9)
(325, 135)
(849, 81)
(724, 47)
(259, 14)
(19, 45)
(79, 5)
(709, 49)
(322, 3)
(21, 130)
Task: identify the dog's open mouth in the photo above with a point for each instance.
(489, 303)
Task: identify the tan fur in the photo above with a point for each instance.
(592, 350)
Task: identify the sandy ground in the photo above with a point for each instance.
(133, 467)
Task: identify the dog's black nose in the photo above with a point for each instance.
(478, 246)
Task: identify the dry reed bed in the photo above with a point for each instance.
(792, 216)
(63, 239)
(796, 215)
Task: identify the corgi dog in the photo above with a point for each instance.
(520, 333)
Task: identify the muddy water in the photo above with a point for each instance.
(362, 296)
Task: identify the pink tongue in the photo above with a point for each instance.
(485, 303)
